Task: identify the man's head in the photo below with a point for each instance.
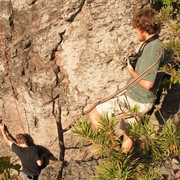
(21, 139)
(144, 23)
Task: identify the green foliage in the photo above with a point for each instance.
(169, 18)
(147, 137)
(169, 139)
(147, 172)
(103, 139)
(154, 146)
(120, 168)
(6, 168)
(174, 74)
(126, 169)
(169, 10)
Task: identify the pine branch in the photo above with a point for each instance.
(104, 139)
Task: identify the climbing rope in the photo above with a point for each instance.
(5, 60)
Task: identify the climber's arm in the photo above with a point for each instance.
(9, 142)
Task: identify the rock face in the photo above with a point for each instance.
(60, 53)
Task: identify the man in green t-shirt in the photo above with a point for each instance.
(141, 93)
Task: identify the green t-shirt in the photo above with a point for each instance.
(150, 54)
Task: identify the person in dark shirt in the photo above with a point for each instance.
(31, 162)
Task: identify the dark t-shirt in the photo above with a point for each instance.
(28, 157)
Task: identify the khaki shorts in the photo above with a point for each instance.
(121, 105)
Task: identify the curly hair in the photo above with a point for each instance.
(21, 139)
(145, 21)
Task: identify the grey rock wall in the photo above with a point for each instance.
(66, 53)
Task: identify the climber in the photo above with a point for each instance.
(31, 162)
(142, 93)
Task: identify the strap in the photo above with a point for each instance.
(139, 53)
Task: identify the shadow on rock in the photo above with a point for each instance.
(170, 105)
